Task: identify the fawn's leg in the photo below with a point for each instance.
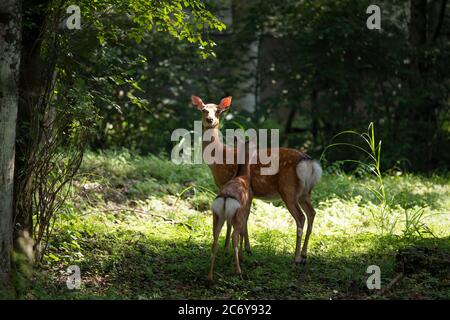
(247, 240)
(217, 227)
(241, 245)
(235, 238)
(244, 233)
(306, 204)
(227, 238)
(244, 238)
(248, 248)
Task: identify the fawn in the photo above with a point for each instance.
(232, 204)
(293, 183)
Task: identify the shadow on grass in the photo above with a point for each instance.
(149, 269)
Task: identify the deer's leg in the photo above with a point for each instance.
(306, 204)
(244, 235)
(247, 240)
(217, 227)
(241, 244)
(227, 238)
(291, 201)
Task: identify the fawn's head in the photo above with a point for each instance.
(211, 112)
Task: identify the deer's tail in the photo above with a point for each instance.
(309, 173)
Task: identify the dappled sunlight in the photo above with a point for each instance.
(343, 204)
(154, 241)
(341, 216)
(268, 216)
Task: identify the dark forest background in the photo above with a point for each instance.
(310, 68)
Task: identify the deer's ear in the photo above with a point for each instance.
(196, 101)
(225, 103)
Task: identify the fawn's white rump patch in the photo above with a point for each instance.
(309, 173)
(217, 207)
(231, 206)
(225, 208)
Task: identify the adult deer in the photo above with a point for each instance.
(296, 177)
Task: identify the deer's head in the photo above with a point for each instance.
(211, 112)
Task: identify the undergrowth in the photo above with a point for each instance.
(140, 228)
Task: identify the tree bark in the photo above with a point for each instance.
(418, 29)
(10, 44)
(418, 22)
(438, 19)
(31, 80)
(423, 114)
(248, 54)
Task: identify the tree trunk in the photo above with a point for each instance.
(437, 18)
(248, 55)
(10, 40)
(31, 80)
(418, 22)
(423, 114)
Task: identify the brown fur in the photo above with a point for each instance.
(240, 190)
(285, 184)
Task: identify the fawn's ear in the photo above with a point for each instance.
(196, 101)
(225, 103)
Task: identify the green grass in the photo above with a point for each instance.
(134, 236)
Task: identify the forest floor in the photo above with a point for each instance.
(136, 235)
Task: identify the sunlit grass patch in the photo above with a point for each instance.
(140, 228)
